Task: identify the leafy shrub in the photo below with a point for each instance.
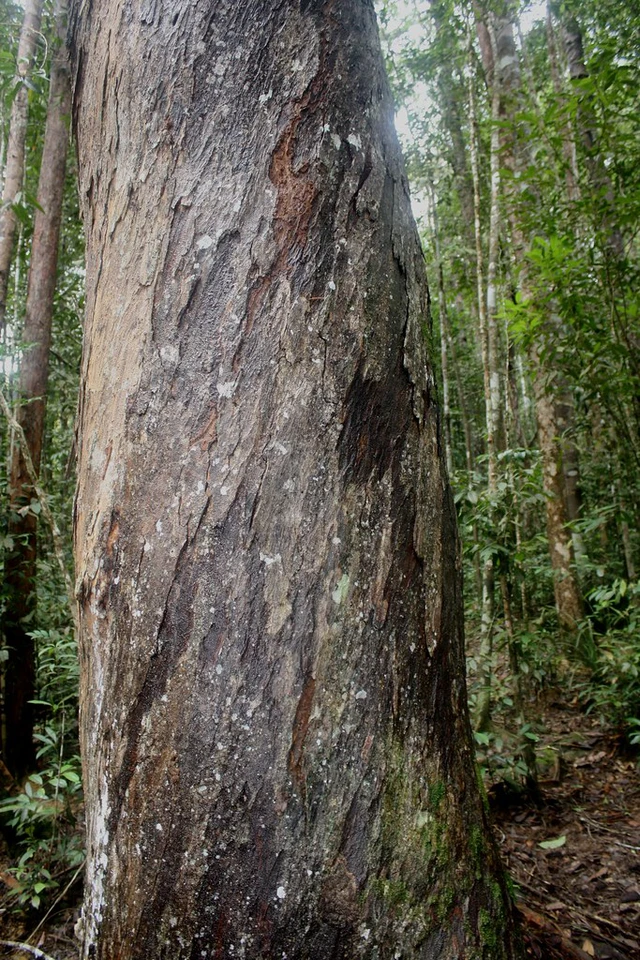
(44, 814)
(613, 689)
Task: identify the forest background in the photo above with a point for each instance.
(523, 149)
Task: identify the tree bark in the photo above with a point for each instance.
(277, 751)
(14, 170)
(20, 566)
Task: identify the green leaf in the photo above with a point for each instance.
(553, 844)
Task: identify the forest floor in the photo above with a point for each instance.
(579, 900)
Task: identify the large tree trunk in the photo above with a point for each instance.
(20, 567)
(14, 171)
(277, 750)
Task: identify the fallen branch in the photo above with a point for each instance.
(25, 946)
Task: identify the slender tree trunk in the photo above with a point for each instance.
(516, 157)
(567, 594)
(600, 180)
(487, 312)
(444, 340)
(496, 390)
(277, 752)
(14, 169)
(569, 153)
(565, 418)
(515, 437)
(444, 363)
(451, 91)
(20, 567)
(480, 284)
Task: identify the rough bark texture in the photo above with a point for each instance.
(14, 170)
(20, 567)
(277, 751)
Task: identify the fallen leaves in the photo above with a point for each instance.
(576, 859)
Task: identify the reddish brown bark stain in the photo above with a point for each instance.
(366, 747)
(294, 209)
(296, 193)
(299, 733)
(112, 538)
(209, 433)
(108, 459)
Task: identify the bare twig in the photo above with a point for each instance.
(25, 946)
(57, 901)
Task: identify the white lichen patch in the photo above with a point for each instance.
(226, 389)
(281, 893)
(355, 141)
(170, 353)
(269, 561)
(97, 866)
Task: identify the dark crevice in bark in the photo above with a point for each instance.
(376, 421)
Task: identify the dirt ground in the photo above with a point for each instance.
(579, 898)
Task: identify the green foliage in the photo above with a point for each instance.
(44, 813)
(613, 689)
(503, 755)
(41, 816)
(577, 201)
